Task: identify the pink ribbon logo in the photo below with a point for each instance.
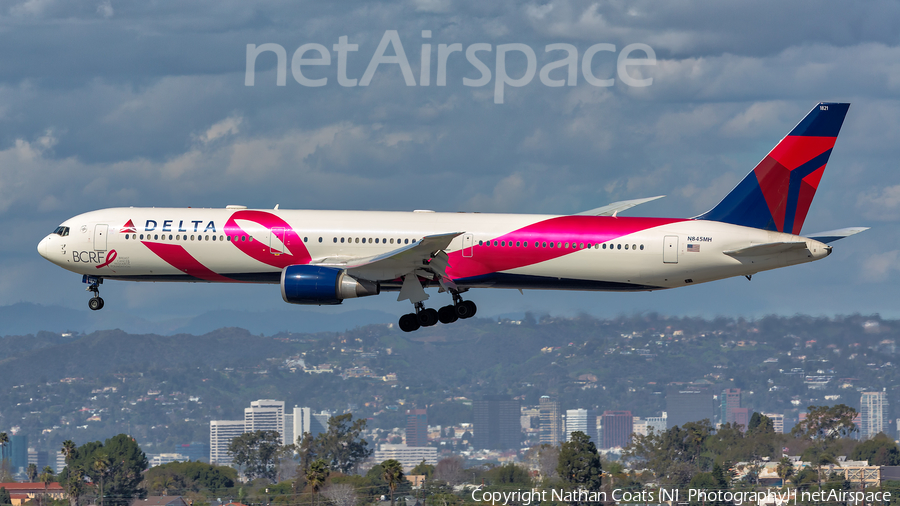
(109, 258)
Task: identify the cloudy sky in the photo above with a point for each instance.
(120, 103)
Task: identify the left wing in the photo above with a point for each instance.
(425, 257)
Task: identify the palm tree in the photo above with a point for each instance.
(101, 465)
(75, 485)
(68, 449)
(47, 479)
(785, 469)
(32, 472)
(392, 473)
(316, 475)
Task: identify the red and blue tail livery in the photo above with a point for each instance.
(777, 194)
(324, 257)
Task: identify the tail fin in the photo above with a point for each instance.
(777, 194)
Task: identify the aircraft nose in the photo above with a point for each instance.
(42, 246)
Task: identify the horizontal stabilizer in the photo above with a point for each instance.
(615, 207)
(834, 235)
(770, 248)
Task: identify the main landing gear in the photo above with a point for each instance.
(427, 317)
(96, 302)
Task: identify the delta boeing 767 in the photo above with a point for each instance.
(324, 257)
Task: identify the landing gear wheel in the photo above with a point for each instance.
(428, 317)
(466, 309)
(447, 314)
(95, 303)
(409, 323)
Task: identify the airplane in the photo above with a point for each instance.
(324, 257)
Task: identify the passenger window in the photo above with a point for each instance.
(626, 246)
(406, 241)
(357, 240)
(642, 247)
(604, 245)
(619, 246)
(634, 246)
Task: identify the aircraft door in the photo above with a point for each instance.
(276, 241)
(670, 249)
(100, 232)
(468, 245)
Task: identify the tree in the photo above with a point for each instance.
(824, 425)
(341, 494)
(256, 452)
(100, 466)
(4, 440)
(74, 484)
(4, 494)
(545, 458)
(785, 469)
(46, 478)
(341, 446)
(32, 472)
(316, 475)
(509, 474)
(449, 470)
(423, 469)
(188, 477)
(579, 462)
(878, 451)
(68, 450)
(392, 474)
(121, 477)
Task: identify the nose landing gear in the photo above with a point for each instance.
(95, 303)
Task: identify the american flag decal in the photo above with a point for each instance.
(693, 248)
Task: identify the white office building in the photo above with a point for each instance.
(265, 414)
(581, 420)
(408, 456)
(873, 411)
(221, 432)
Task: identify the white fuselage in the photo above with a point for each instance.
(531, 251)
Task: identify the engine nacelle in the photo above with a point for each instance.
(318, 285)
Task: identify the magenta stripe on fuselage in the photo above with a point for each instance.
(580, 230)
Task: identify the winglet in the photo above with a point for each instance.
(615, 207)
(834, 235)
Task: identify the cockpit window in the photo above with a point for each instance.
(62, 231)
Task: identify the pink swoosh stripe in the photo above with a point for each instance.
(578, 229)
(176, 256)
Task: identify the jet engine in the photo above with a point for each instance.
(318, 285)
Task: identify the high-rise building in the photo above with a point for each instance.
(581, 420)
(731, 400)
(551, 421)
(416, 427)
(221, 432)
(777, 421)
(688, 404)
(319, 423)
(265, 414)
(497, 423)
(617, 428)
(408, 456)
(289, 437)
(16, 451)
(873, 414)
(741, 417)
